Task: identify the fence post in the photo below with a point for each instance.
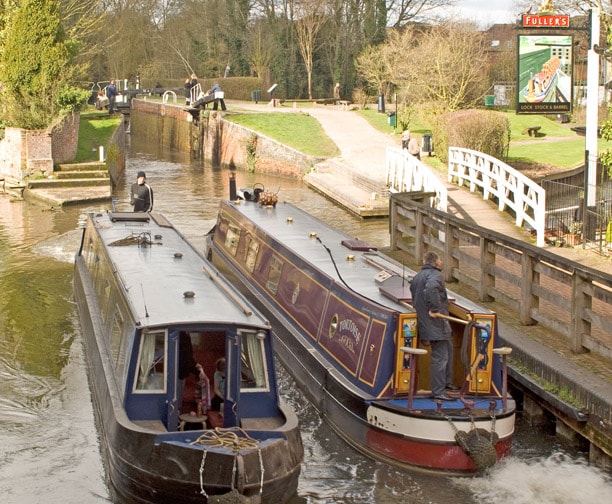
(582, 302)
(528, 301)
(487, 264)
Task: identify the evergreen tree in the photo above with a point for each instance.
(35, 67)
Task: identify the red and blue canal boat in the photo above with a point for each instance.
(346, 331)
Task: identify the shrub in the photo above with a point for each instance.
(480, 130)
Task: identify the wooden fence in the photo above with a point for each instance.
(543, 288)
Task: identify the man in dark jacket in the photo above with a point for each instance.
(430, 300)
(111, 94)
(141, 194)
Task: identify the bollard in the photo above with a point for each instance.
(414, 353)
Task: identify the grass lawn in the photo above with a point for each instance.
(300, 131)
(95, 129)
(556, 144)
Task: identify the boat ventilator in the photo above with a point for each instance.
(229, 438)
(478, 443)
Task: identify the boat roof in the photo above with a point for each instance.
(371, 274)
(309, 238)
(168, 281)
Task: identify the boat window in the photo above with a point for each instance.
(251, 256)
(231, 238)
(152, 362)
(276, 266)
(118, 344)
(253, 364)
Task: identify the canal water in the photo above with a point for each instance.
(49, 448)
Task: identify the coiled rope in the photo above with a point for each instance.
(227, 438)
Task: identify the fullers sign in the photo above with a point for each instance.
(543, 21)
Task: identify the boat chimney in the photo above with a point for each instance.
(232, 186)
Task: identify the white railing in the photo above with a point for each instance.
(405, 173)
(496, 179)
(194, 92)
(167, 95)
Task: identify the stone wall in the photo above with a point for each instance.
(215, 139)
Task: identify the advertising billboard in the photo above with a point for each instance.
(545, 83)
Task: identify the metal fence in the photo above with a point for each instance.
(570, 222)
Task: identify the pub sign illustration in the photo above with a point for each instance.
(544, 74)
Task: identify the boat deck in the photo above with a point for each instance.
(362, 268)
(157, 262)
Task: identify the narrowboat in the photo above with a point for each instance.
(540, 87)
(157, 318)
(346, 331)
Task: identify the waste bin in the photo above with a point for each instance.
(489, 100)
(256, 95)
(381, 103)
(427, 143)
(391, 119)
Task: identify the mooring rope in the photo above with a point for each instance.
(202, 491)
(261, 470)
(229, 438)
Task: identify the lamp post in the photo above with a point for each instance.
(591, 111)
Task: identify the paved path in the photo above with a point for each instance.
(363, 150)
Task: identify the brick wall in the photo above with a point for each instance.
(65, 139)
(34, 152)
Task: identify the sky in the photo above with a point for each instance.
(487, 12)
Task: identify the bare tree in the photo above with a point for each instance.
(372, 65)
(403, 11)
(259, 47)
(310, 19)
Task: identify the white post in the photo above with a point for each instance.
(591, 110)
(101, 152)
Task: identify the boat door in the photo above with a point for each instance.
(233, 345)
(407, 337)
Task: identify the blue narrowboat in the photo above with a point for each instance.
(150, 306)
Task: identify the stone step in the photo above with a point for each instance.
(59, 196)
(64, 175)
(73, 167)
(83, 182)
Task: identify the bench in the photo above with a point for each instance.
(533, 131)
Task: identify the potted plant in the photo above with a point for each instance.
(267, 198)
(574, 234)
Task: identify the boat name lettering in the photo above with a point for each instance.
(348, 343)
(350, 326)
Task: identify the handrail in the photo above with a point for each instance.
(406, 173)
(497, 179)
